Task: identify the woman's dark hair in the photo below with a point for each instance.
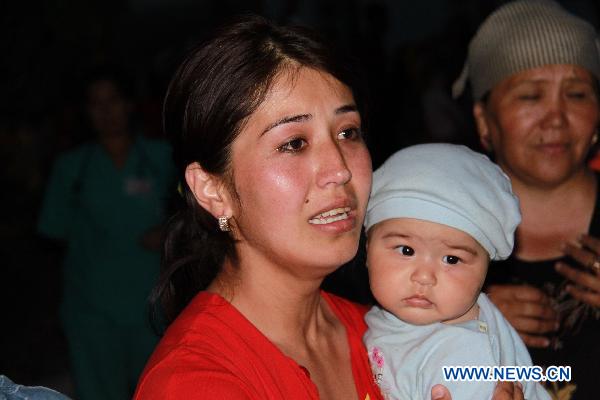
(216, 88)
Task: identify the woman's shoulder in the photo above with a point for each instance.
(199, 350)
(73, 157)
(212, 351)
(156, 148)
(182, 374)
(205, 323)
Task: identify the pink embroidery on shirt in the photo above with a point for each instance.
(377, 357)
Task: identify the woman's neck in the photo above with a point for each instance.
(581, 182)
(289, 311)
(553, 215)
(117, 147)
(283, 301)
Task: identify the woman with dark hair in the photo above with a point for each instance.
(267, 133)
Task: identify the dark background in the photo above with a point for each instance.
(410, 51)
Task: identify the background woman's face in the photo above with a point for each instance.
(302, 174)
(108, 109)
(539, 123)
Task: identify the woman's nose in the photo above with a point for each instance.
(333, 168)
(555, 115)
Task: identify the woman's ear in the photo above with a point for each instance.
(481, 121)
(208, 190)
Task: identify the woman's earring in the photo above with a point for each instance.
(224, 223)
(595, 138)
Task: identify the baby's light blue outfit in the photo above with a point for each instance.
(407, 360)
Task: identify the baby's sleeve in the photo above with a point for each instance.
(533, 390)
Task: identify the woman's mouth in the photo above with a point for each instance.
(553, 148)
(330, 216)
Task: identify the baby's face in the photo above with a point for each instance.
(424, 272)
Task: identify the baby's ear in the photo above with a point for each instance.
(209, 191)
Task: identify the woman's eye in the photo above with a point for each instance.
(451, 260)
(578, 95)
(405, 250)
(350, 134)
(529, 96)
(293, 146)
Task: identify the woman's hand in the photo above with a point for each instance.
(528, 310)
(587, 253)
(503, 391)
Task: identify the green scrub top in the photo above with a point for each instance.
(102, 213)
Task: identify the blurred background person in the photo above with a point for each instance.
(537, 111)
(105, 200)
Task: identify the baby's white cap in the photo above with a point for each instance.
(451, 185)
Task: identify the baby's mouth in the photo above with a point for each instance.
(418, 301)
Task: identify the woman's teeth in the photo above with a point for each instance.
(337, 214)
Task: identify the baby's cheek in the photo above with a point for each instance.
(387, 288)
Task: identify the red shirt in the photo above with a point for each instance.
(212, 351)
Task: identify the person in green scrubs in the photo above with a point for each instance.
(106, 200)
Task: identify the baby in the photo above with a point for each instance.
(437, 214)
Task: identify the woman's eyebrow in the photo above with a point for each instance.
(570, 79)
(577, 79)
(346, 109)
(525, 82)
(287, 120)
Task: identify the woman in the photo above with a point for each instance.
(267, 132)
(105, 200)
(537, 111)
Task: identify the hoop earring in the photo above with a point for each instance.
(224, 223)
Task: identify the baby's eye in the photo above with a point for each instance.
(451, 259)
(405, 250)
(349, 134)
(293, 146)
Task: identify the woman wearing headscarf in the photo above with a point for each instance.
(533, 69)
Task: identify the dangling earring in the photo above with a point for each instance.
(595, 138)
(224, 223)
